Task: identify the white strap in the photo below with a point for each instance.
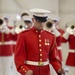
(59, 47)
(72, 51)
(8, 43)
(37, 63)
(14, 42)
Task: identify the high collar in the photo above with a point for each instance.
(36, 31)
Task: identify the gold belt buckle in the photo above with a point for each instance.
(40, 63)
(2, 43)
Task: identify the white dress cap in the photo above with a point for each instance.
(28, 18)
(40, 12)
(56, 18)
(71, 23)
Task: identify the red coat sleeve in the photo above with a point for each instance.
(20, 55)
(54, 57)
(64, 40)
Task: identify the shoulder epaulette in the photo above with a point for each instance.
(49, 33)
(24, 31)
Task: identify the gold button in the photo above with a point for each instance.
(40, 45)
(39, 35)
(40, 50)
(40, 54)
(48, 44)
(39, 40)
(21, 66)
(40, 59)
(36, 31)
(23, 69)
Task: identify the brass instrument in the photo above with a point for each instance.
(48, 25)
(20, 26)
(71, 27)
(2, 23)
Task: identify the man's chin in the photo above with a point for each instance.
(40, 28)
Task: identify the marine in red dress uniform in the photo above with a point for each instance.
(35, 49)
(69, 37)
(71, 41)
(59, 42)
(5, 49)
(56, 21)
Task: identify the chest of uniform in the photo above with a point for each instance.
(38, 41)
(72, 39)
(4, 36)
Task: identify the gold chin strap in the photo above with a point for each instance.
(2, 38)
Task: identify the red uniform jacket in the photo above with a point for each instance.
(61, 31)
(37, 46)
(5, 45)
(71, 56)
(14, 39)
(59, 41)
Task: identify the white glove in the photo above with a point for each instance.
(12, 31)
(67, 33)
(6, 30)
(29, 72)
(55, 31)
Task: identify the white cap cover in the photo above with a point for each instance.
(40, 12)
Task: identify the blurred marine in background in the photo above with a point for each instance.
(69, 36)
(5, 49)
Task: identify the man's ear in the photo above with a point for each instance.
(33, 19)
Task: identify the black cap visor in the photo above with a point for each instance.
(40, 19)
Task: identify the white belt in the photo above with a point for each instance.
(37, 63)
(59, 47)
(14, 42)
(7, 43)
(72, 51)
